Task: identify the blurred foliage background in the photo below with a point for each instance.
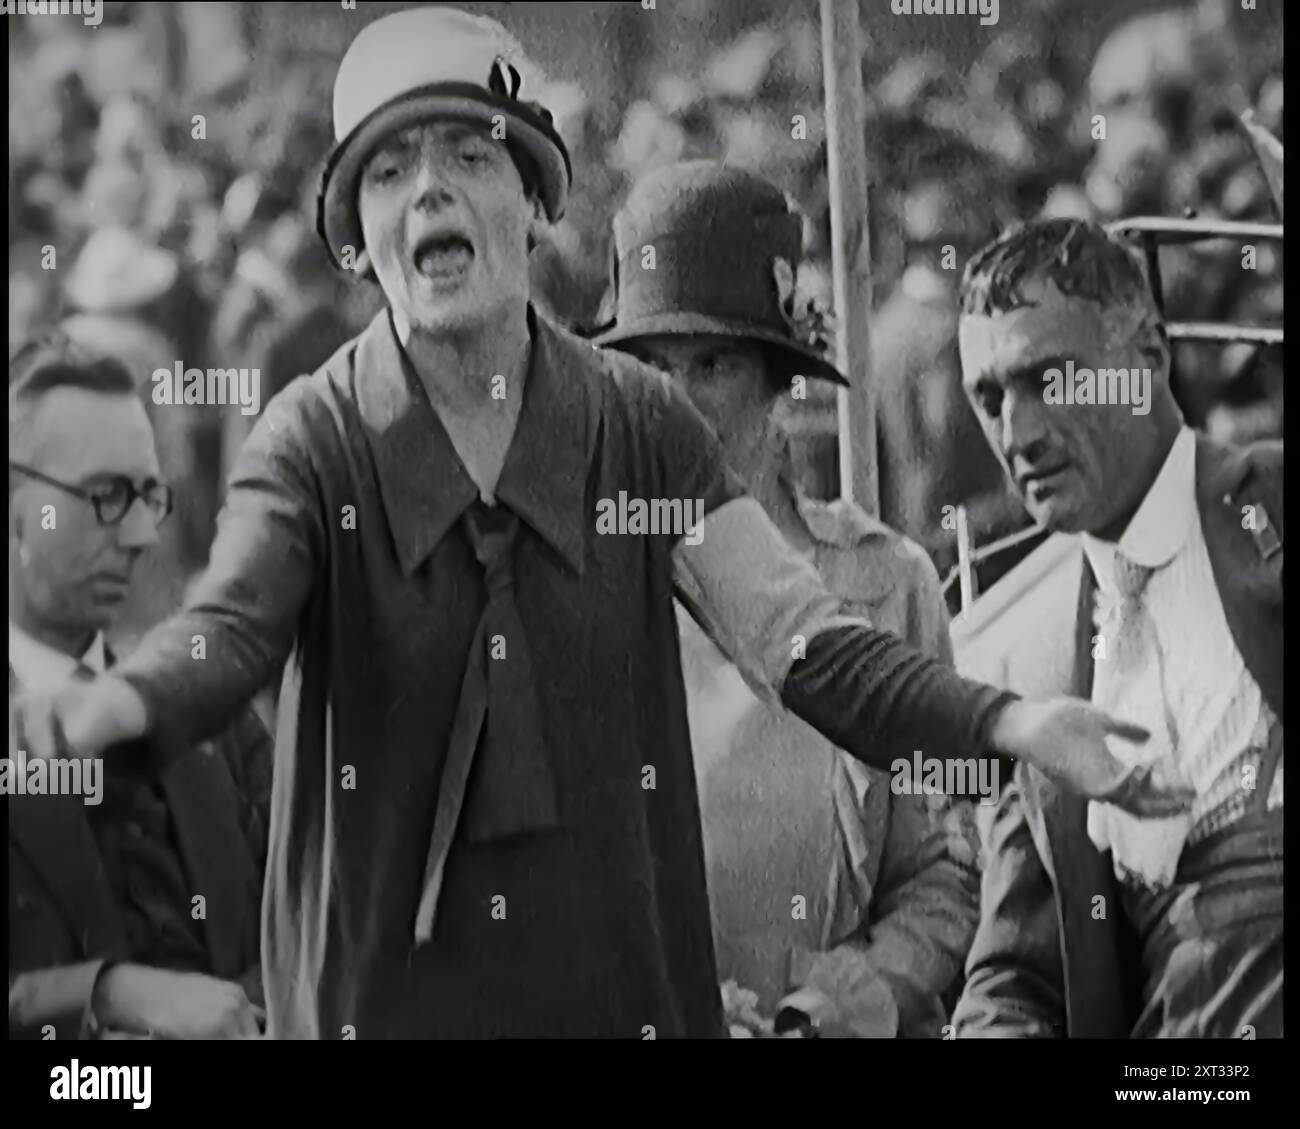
(169, 246)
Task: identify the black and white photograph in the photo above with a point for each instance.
(656, 520)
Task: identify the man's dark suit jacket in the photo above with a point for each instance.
(1041, 964)
(64, 923)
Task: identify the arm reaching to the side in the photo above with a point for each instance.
(876, 696)
(866, 690)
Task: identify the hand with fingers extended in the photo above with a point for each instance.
(135, 1000)
(1067, 739)
(81, 718)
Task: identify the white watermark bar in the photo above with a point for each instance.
(90, 11)
(21, 775)
(937, 776)
(675, 517)
(224, 387)
(987, 10)
(1130, 387)
(101, 1083)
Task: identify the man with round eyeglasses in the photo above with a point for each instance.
(81, 456)
(112, 497)
(105, 876)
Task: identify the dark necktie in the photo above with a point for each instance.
(497, 717)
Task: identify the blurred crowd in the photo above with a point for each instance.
(167, 248)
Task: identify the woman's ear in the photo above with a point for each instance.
(16, 526)
(538, 225)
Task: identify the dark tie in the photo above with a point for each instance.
(513, 787)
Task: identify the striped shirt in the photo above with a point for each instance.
(1221, 721)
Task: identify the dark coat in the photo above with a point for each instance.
(63, 920)
(1041, 964)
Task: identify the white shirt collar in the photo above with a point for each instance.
(37, 664)
(1162, 523)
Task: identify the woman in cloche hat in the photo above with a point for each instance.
(706, 288)
(485, 816)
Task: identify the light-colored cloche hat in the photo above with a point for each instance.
(426, 63)
(727, 247)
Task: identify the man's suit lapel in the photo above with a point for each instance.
(54, 835)
(1247, 564)
(203, 806)
(1051, 660)
(1057, 659)
(1090, 947)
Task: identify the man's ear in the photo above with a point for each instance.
(1155, 348)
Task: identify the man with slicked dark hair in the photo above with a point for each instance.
(1164, 602)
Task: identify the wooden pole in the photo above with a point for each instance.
(965, 560)
(850, 246)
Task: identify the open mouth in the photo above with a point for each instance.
(1039, 480)
(442, 257)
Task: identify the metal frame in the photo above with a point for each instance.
(1154, 232)
(969, 558)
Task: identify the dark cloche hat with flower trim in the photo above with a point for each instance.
(726, 254)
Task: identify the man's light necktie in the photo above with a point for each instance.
(1129, 677)
(498, 724)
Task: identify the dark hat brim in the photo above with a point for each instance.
(526, 128)
(800, 359)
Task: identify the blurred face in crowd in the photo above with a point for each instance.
(1076, 466)
(725, 377)
(1128, 172)
(69, 575)
(446, 220)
